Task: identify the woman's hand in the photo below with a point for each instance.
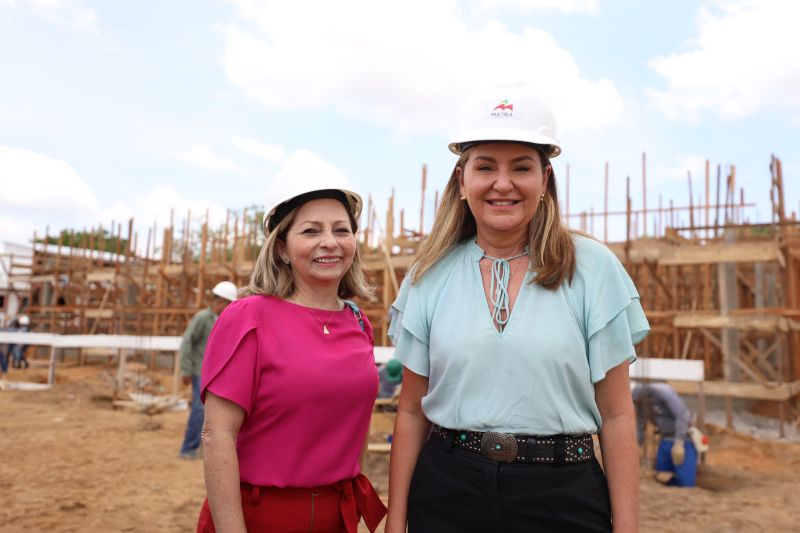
(618, 445)
(223, 418)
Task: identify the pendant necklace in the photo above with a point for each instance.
(325, 330)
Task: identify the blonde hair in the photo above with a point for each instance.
(272, 277)
(552, 249)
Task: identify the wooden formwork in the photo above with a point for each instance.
(720, 290)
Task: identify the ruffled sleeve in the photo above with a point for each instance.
(409, 328)
(614, 318)
(231, 364)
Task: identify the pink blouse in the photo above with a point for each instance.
(307, 396)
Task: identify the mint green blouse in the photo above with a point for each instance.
(537, 376)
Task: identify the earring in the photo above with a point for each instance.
(285, 260)
(463, 197)
(541, 198)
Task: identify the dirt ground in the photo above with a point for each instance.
(70, 462)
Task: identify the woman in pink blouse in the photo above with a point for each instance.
(289, 376)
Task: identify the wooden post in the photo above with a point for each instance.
(716, 207)
(627, 218)
(368, 230)
(389, 237)
(701, 406)
(119, 386)
(644, 193)
(201, 269)
(51, 369)
(605, 208)
(708, 195)
(422, 203)
(691, 204)
(176, 373)
(726, 285)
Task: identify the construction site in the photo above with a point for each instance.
(94, 424)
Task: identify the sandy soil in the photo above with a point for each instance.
(70, 462)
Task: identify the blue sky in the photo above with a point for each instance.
(117, 109)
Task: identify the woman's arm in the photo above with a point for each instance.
(223, 418)
(618, 445)
(411, 430)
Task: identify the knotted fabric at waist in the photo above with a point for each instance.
(357, 499)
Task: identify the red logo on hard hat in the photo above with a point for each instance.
(504, 105)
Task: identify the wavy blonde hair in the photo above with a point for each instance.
(272, 277)
(552, 249)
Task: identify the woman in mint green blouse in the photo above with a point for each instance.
(516, 336)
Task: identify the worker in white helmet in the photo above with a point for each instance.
(516, 336)
(17, 351)
(193, 346)
(289, 379)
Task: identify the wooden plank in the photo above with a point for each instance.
(717, 253)
(765, 323)
(748, 391)
(102, 275)
(98, 313)
(695, 254)
(379, 447)
(43, 278)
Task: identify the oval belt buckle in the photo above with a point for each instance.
(500, 447)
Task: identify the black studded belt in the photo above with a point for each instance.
(508, 448)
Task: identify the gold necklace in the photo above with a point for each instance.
(325, 330)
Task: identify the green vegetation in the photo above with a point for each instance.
(99, 240)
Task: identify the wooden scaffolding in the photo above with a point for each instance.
(718, 289)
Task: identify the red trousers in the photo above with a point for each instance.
(335, 508)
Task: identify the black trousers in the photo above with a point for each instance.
(458, 491)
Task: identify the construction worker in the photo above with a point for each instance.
(676, 459)
(391, 377)
(20, 324)
(192, 348)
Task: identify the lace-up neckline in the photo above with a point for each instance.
(499, 276)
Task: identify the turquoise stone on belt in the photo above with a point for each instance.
(498, 446)
(580, 451)
(462, 437)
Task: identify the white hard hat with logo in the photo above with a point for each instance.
(305, 173)
(507, 114)
(225, 290)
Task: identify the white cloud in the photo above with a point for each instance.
(386, 63)
(64, 13)
(37, 191)
(259, 149)
(202, 156)
(39, 182)
(565, 6)
(745, 60)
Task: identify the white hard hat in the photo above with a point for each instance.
(507, 114)
(24, 320)
(305, 172)
(226, 290)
